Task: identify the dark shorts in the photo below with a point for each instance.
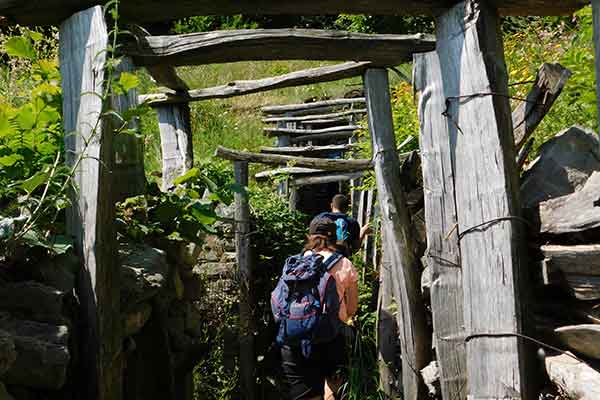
(306, 376)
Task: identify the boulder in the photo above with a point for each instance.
(33, 301)
(59, 272)
(144, 272)
(42, 353)
(563, 166)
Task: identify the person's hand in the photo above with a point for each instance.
(366, 230)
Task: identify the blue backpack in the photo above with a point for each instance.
(305, 303)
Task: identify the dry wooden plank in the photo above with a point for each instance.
(88, 144)
(128, 172)
(244, 262)
(472, 59)
(175, 142)
(326, 178)
(596, 37)
(275, 44)
(584, 339)
(134, 11)
(308, 150)
(326, 164)
(238, 88)
(584, 286)
(574, 212)
(305, 118)
(396, 225)
(549, 83)
(321, 137)
(306, 132)
(577, 260)
(443, 252)
(292, 171)
(315, 105)
(576, 379)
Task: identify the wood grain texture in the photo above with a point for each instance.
(578, 260)
(584, 339)
(128, 173)
(321, 137)
(292, 171)
(443, 252)
(549, 83)
(575, 379)
(326, 178)
(239, 88)
(175, 141)
(574, 212)
(305, 132)
(315, 105)
(326, 164)
(38, 12)
(244, 262)
(471, 55)
(275, 44)
(83, 41)
(396, 225)
(308, 150)
(304, 118)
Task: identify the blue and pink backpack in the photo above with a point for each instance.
(305, 303)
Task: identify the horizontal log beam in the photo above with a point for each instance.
(276, 44)
(49, 12)
(307, 107)
(291, 171)
(322, 136)
(308, 118)
(307, 162)
(308, 150)
(300, 132)
(579, 260)
(239, 88)
(323, 179)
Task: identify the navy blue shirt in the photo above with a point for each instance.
(353, 241)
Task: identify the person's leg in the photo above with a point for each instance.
(302, 375)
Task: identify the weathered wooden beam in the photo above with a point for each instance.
(307, 118)
(581, 259)
(583, 339)
(443, 252)
(299, 132)
(239, 88)
(291, 171)
(275, 44)
(54, 11)
(576, 379)
(549, 83)
(128, 172)
(396, 224)
(325, 164)
(176, 141)
(322, 137)
(596, 37)
(326, 178)
(88, 145)
(308, 107)
(471, 56)
(308, 150)
(244, 262)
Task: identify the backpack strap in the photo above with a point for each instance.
(332, 260)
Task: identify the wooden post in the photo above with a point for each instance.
(242, 246)
(368, 242)
(128, 174)
(470, 50)
(88, 145)
(396, 224)
(596, 18)
(284, 141)
(443, 254)
(176, 141)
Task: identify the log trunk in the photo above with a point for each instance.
(275, 44)
(307, 162)
(298, 132)
(471, 55)
(396, 225)
(575, 379)
(175, 141)
(316, 105)
(323, 179)
(350, 114)
(321, 137)
(308, 150)
(88, 142)
(443, 252)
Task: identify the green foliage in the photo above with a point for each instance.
(205, 23)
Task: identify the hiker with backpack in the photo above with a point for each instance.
(350, 234)
(316, 295)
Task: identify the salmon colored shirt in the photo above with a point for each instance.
(346, 281)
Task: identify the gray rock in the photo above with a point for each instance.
(59, 272)
(33, 301)
(144, 272)
(564, 165)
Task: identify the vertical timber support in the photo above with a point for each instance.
(242, 246)
(470, 50)
(596, 17)
(284, 141)
(88, 144)
(176, 141)
(128, 174)
(396, 226)
(443, 254)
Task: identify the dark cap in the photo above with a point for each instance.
(322, 226)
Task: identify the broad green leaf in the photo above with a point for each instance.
(128, 81)
(203, 213)
(34, 182)
(192, 173)
(6, 127)
(20, 46)
(26, 118)
(166, 213)
(35, 36)
(10, 160)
